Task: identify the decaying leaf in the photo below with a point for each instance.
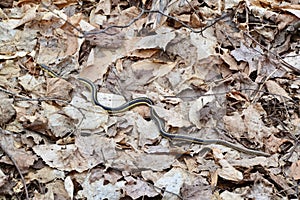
(139, 189)
(295, 170)
(45, 175)
(6, 111)
(207, 65)
(99, 190)
(84, 154)
(280, 93)
(23, 158)
(172, 181)
(227, 171)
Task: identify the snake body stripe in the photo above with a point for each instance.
(158, 121)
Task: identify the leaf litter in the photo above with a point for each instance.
(240, 75)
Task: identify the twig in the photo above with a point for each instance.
(291, 67)
(23, 98)
(18, 169)
(86, 34)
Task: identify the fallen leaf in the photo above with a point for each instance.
(22, 157)
(172, 181)
(226, 195)
(273, 143)
(227, 171)
(100, 190)
(86, 153)
(69, 187)
(139, 189)
(58, 88)
(295, 170)
(279, 92)
(45, 175)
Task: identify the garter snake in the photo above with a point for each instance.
(155, 117)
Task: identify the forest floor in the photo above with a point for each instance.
(219, 70)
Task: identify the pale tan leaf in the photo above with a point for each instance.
(100, 190)
(86, 153)
(235, 125)
(147, 130)
(226, 195)
(3, 178)
(295, 170)
(160, 41)
(273, 143)
(140, 189)
(99, 60)
(172, 181)
(92, 117)
(276, 89)
(249, 55)
(227, 171)
(45, 175)
(7, 111)
(23, 158)
(58, 88)
(197, 106)
(205, 45)
(257, 131)
(69, 186)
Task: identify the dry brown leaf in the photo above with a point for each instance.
(281, 180)
(148, 132)
(107, 41)
(205, 45)
(235, 125)
(35, 122)
(196, 107)
(172, 181)
(144, 53)
(86, 153)
(172, 118)
(261, 189)
(191, 164)
(229, 60)
(92, 118)
(131, 160)
(273, 143)
(60, 125)
(227, 171)
(57, 189)
(257, 131)
(30, 83)
(249, 55)
(23, 158)
(259, 160)
(158, 41)
(111, 176)
(280, 93)
(139, 189)
(293, 59)
(196, 188)
(226, 195)
(99, 61)
(45, 175)
(238, 96)
(98, 189)
(7, 111)
(295, 170)
(58, 88)
(10, 70)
